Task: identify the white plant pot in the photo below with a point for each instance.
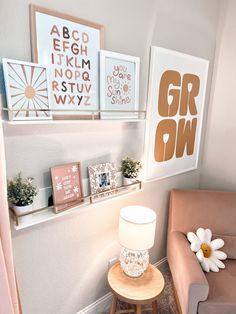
(19, 210)
(127, 181)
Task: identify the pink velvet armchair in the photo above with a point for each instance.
(196, 291)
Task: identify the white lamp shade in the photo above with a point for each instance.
(137, 225)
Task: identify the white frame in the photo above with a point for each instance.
(154, 63)
(5, 62)
(95, 170)
(103, 106)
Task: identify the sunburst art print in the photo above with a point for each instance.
(27, 90)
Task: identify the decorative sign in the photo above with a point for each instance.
(177, 86)
(67, 187)
(119, 84)
(69, 47)
(27, 90)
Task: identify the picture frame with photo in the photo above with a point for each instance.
(102, 177)
(27, 90)
(119, 85)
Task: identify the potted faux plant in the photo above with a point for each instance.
(21, 193)
(130, 169)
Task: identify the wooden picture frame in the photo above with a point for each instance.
(119, 85)
(27, 90)
(176, 98)
(102, 177)
(67, 186)
(69, 46)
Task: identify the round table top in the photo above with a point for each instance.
(141, 289)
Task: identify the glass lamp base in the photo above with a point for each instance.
(134, 263)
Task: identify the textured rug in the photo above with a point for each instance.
(166, 302)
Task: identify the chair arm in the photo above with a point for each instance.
(189, 279)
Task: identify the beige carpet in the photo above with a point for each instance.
(166, 302)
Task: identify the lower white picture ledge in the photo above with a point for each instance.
(104, 303)
(48, 214)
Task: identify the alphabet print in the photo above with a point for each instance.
(176, 96)
(69, 47)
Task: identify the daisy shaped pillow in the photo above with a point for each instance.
(207, 250)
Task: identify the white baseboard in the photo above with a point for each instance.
(98, 307)
(103, 304)
(162, 261)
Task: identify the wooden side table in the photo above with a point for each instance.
(135, 291)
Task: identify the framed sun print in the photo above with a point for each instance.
(176, 97)
(69, 47)
(67, 186)
(119, 85)
(102, 177)
(27, 90)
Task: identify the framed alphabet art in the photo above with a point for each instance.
(176, 96)
(119, 85)
(69, 47)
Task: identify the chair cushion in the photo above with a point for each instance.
(230, 244)
(222, 292)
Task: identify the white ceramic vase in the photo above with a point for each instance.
(127, 181)
(19, 210)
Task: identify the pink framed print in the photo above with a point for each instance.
(67, 186)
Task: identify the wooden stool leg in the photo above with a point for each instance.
(138, 309)
(113, 305)
(154, 307)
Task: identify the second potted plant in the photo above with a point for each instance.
(21, 193)
(130, 169)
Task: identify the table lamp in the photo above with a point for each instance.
(137, 225)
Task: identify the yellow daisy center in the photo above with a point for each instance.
(206, 249)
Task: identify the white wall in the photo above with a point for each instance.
(219, 166)
(61, 265)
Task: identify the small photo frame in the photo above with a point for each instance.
(67, 186)
(119, 85)
(102, 177)
(27, 90)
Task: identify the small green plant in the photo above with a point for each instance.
(21, 191)
(130, 167)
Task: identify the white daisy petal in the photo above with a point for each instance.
(212, 265)
(207, 251)
(201, 234)
(217, 244)
(217, 262)
(205, 265)
(208, 235)
(200, 255)
(192, 237)
(219, 254)
(195, 247)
